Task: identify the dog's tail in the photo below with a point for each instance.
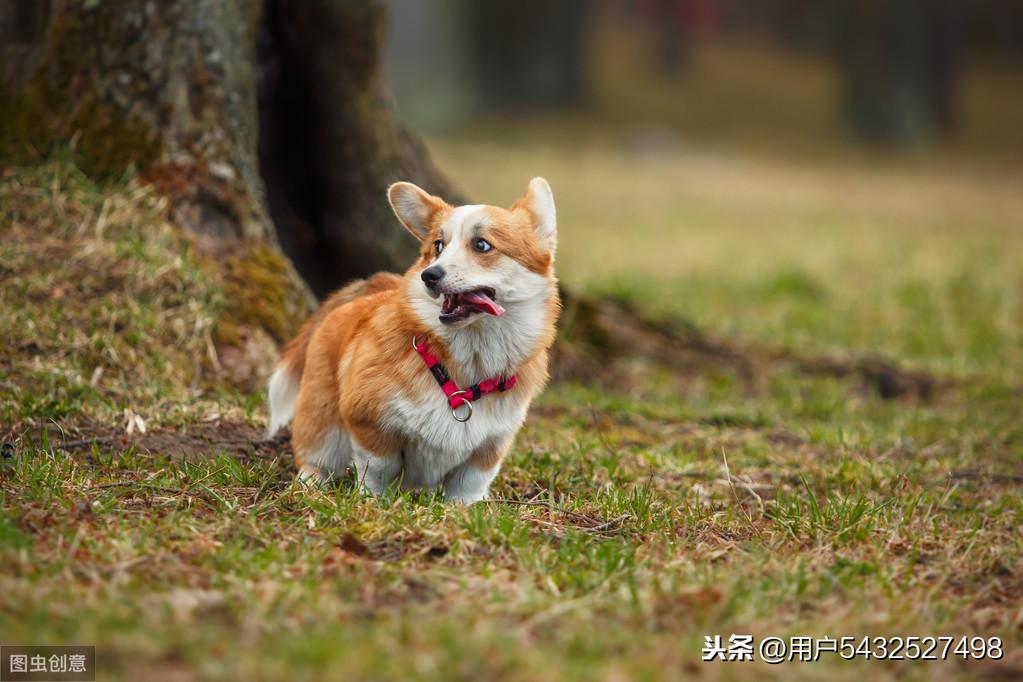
(282, 390)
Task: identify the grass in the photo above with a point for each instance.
(631, 520)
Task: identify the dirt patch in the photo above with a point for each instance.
(198, 440)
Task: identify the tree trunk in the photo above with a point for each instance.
(166, 86)
(177, 89)
(901, 61)
(329, 146)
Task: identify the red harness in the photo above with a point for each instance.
(457, 397)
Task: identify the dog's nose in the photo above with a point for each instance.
(432, 275)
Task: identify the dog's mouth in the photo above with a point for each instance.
(465, 304)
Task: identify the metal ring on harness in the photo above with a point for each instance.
(466, 402)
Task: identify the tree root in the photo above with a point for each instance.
(600, 335)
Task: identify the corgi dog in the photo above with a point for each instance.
(423, 380)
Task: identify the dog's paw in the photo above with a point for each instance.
(311, 477)
(466, 498)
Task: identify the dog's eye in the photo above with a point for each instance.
(482, 245)
(438, 246)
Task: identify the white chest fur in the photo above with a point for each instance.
(435, 443)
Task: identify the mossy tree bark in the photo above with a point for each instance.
(168, 87)
(263, 122)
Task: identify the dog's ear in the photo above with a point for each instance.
(414, 207)
(539, 201)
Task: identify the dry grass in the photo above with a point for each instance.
(106, 309)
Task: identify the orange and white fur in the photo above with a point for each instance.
(483, 294)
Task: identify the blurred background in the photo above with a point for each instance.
(899, 73)
(828, 174)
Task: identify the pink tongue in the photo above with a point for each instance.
(481, 300)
